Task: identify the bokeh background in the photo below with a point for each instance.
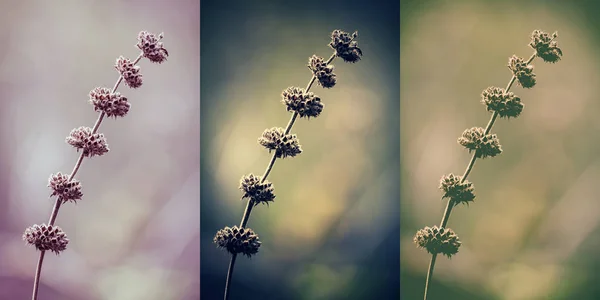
(135, 234)
(533, 231)
(332, 232)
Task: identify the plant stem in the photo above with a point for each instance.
(451, 204)
(58, 203)
(250, 204)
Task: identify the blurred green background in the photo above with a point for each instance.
(332, 232)
(533, 231)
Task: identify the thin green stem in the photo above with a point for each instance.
(451, 203)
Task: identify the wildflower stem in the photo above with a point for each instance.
(451, 203)
(58, 202)
(250, 204)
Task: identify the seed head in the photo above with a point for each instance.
(129, 71)
(284, 144)
(457, 191)
(46, 237)
(152, 47)
(112, 104)
(438, 240)
(507, 105)
(257, 191)
(305, 104)
(91, 144)
(237, 240)
(545, 46)
(523, 71)
(63, 188)
(322, 71)
(483, 144)
(345, 46)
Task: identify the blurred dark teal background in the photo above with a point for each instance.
(332, 232)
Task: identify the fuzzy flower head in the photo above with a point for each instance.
(112, 104)
(524, 72)
(507, 105)
(257, 191)
(237, 240)
(91, 144)
(305, 104)
(151, 46)
(284, 144)
(437, 240)
(345, 46)
(63, 188)
(457, 191)
(484, 145)
(545, 46)
(46, 237)
(322, 71)
(129, 72)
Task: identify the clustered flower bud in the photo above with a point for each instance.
(91, 144)
(112, 104)
(438, 240)
(322, 71)
(457, 191)
(507, 105)
(63, 188)
(483, 144)
(345, 46)
(129, 71)
(524, 72)
(284, 144)
(305, 104)
(46, 237)
(545, 46)
(237, 240)
(151, 46)
(255, 190)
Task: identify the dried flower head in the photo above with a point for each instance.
(345, 46)
(457, 191)
(237, 240)
(46, 237)
(507, 105)
(284, 144)
(63, 188)
(483, 144)
(255, 190)
(305, 104)
(112, 104)
(545, 46)
(129, 71)
(91, 144)
(524, 72)
(152, 47)
(437, 240)
(322, 71)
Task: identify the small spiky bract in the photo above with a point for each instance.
(91, 144)
(524, 72)
(63, 188)
(545, 46)
(46, 237)
(305, 104)
(112, 104)
(484, 145)
(257, 191)
(457, 191)
(437, 240)
(129, 71)
(322, 71)
(151, 46)
(345, 46)
(284, 144)
(507, 105)
(237, 240)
